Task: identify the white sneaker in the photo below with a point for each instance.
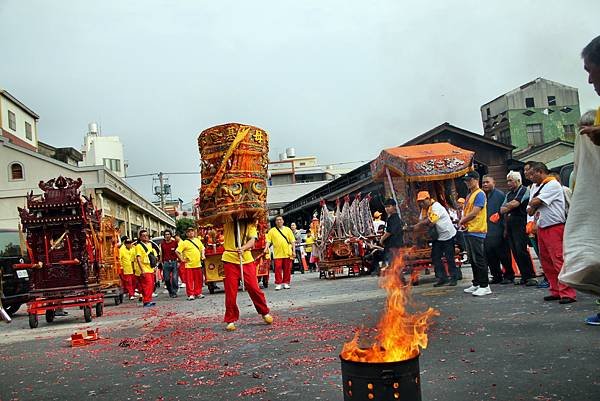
(165, 291)
(286, 286)
(154, 294)
(481, 291)
(191, 298)
(182, 285)
(200, 296)
(471, 289)
(277, 287)
(131, 298)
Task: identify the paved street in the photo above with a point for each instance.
(507, 346)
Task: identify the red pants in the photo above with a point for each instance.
(550, 242)
(193, 285)
(147, 281)
(182, 273)
(128, 286)
(137, 284)
(232, 276)
(284, 264)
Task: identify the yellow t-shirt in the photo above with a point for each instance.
(230, 255)
(125, 257)
(139, 251)
(281, 248)
(191, 254)
(309, 241)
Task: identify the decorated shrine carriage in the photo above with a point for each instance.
(406, 170)
(62, 228)
(110, 268)
(342, 237)
(234, 161)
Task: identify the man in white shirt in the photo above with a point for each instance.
(549, 201)
(433, 214)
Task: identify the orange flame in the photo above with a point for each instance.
(400, 333)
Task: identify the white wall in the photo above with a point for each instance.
(21, 117)
(97, 148)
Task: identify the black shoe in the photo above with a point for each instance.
(506, 281)
(566, 300)
(452, 283)
(496, 281)
(553, 298)
(520, 282)
(440, 283)
(531, 282)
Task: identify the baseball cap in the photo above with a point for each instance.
(461, 200)
(471, 175)
(377, 214)
(422, 195)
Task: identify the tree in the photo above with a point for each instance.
(183, 224)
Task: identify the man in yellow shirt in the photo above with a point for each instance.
(308, 247)
(475, 222)
(283, 241)
(126, 258)
(233, 255)
(191, 252)
(146, 259)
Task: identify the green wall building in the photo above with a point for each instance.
(536, 113)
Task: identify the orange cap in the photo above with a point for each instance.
(461, 200)
(377, 214)
(422, 195)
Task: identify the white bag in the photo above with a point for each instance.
(581, 269)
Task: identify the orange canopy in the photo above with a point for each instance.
(430, 162)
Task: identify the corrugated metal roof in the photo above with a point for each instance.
(561, 161)
(287, 193)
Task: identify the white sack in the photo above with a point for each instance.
(581, 269)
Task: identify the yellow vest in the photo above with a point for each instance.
(479, 224)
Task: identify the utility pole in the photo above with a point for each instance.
(162, 190)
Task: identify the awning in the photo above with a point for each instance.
(429, 162)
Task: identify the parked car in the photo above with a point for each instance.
(15, 283)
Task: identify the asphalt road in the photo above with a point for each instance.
(510, 345)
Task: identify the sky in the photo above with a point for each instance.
(336, 79)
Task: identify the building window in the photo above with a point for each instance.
(16, 172)
(28, 132)
(569, 132)
(551, 100)
(113, 164)
(529, 102)
(12, 121)
(535, 134)
(303, 163)
(504, 137)
(487, 112)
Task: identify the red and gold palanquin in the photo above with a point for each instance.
(62, 228)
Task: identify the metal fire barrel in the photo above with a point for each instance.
(381, 381)
(234, 162)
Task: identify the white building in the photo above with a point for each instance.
(24, 169)
(99, 150)
(18, 123)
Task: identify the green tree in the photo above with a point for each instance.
(182, 225)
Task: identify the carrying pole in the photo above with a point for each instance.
(239, 244)
(3, 313)
(389, 177)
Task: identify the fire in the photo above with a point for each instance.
(401, 334)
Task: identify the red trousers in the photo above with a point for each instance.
(550, 242)
(232, 276)
(128, 286)
(147, 282)
(137, 284)
(193, 284)
(284, 264)
(182, 273)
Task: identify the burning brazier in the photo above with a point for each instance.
(381, 381)
(387, 367)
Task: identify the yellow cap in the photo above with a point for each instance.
(422, 195)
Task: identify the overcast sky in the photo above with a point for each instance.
(338, 79)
